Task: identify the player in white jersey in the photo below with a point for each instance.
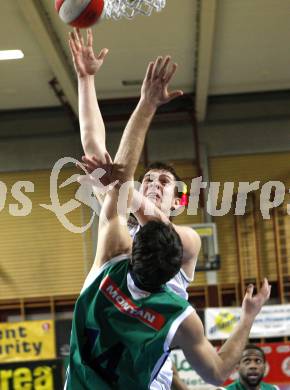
(181, 280)
(159, 183)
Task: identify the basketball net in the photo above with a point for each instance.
(117, 9)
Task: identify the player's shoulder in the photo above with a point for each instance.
(191, 243)
(189, 233)
(189, 230)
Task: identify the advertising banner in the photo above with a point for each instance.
(26, 341)
(36, 375)
(187, 374)
(272, 321)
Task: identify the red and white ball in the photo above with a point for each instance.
(80, 13)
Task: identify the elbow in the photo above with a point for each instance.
(212, 376)
(217, 379)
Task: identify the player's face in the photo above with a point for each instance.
(159, 187)
(251, 367)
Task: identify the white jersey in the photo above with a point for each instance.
(178, 284)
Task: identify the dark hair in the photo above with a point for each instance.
(160, 166)
(156, 255)
(253, 346)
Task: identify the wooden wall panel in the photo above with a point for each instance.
(39, 257)
(254, 243)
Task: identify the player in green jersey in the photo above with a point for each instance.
(251, 371)
(126, 320)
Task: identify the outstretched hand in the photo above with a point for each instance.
(85, 61)
(154, 89)
(252, 304)
(99, 172)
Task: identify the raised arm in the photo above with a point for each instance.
(154, 92)
(215, 367)
(87, 64)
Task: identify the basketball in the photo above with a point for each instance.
(79, 13)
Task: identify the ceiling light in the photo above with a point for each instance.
(11, 54)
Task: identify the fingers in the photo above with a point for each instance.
(76, 41)
(149, 71)
(156, 68)
(174, 94)
(265, 283)
(96, 162)
(164, 67)
(89, 37)
(103, 54)
(79, 36)
(168, 76)
(93, 163)
(249, 291)
(161, 69)
(264, 292)
(86, 159)
(72, 44)
(90, 164)
(266, 288)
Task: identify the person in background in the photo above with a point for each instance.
(177, 382)
(251, 370)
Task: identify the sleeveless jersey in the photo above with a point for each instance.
(180, 281)
(118, 341)
(178, 284)
(237, 385)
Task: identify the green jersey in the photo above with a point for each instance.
(239, 386)
(121, 336)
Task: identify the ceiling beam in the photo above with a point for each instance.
(206, 28)
(35, 14)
